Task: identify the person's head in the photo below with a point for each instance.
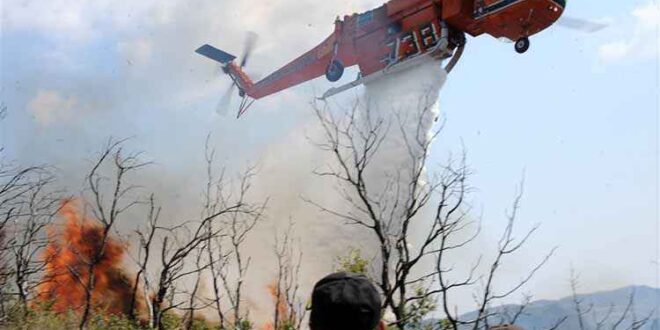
(345, 301)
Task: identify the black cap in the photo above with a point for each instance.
(345, 301)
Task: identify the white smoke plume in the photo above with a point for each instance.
(286, 178)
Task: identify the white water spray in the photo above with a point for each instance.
(398, 100)
(406, 103)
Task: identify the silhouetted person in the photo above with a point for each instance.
(345, 301)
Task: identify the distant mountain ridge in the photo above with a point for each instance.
(543, 314)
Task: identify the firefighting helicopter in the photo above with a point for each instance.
(396, 36)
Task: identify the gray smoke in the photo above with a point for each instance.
(155, 89)
(286, 178)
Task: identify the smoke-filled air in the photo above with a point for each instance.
(203, 164)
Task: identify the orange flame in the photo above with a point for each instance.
(68, 256)
(280, 305)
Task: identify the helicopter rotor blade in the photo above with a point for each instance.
(222, 108)
(250, 42)
(225, 101)
(580, 24)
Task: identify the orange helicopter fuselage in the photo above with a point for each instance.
(391, 36)
(405, 28)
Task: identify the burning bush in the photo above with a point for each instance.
(76, 249)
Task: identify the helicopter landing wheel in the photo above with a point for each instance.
(522, 45)
(334, 71)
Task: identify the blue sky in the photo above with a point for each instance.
(577, 115)
(582, 127)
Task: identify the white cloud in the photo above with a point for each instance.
(615, 50)
(73, 20)
(50, 107)
(648, 15)
(159, 38)
(62, 16)
(640, 40)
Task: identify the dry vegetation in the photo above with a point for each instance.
(63, 261)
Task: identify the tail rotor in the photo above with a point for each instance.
(250, 42)
(226, 99)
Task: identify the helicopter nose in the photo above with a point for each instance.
(560, 3)
(556, 8)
